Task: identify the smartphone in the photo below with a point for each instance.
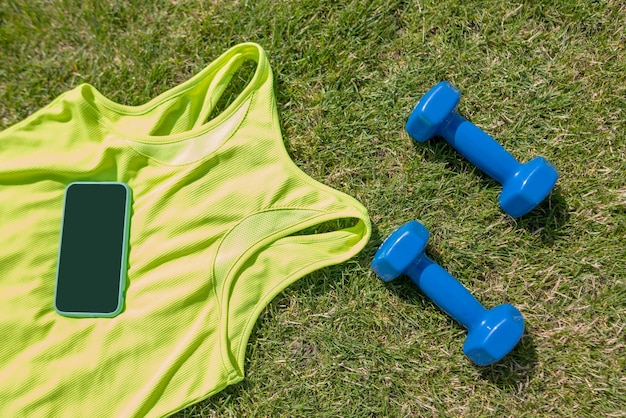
(93, 250)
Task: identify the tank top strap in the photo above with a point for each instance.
(227, 66)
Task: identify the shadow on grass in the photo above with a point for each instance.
(548, 219)
(515, 370)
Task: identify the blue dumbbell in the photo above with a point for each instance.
(492, 333)
(524, 186)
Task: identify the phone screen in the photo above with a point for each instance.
(91, 267)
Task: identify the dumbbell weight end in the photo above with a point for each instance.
(498, 333)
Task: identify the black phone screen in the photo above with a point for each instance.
(92, 254)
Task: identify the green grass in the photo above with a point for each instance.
(544, 78)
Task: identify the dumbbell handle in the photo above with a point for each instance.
(479, 148)
(446, 292)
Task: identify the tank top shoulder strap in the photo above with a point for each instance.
(226, 66)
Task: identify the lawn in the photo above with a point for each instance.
(543, 78)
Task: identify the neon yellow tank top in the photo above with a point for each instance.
(221, 221)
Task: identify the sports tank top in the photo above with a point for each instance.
(222, 221)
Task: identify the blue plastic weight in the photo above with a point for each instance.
(524, 186)
(492, 333)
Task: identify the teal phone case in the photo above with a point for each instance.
(123, 255)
